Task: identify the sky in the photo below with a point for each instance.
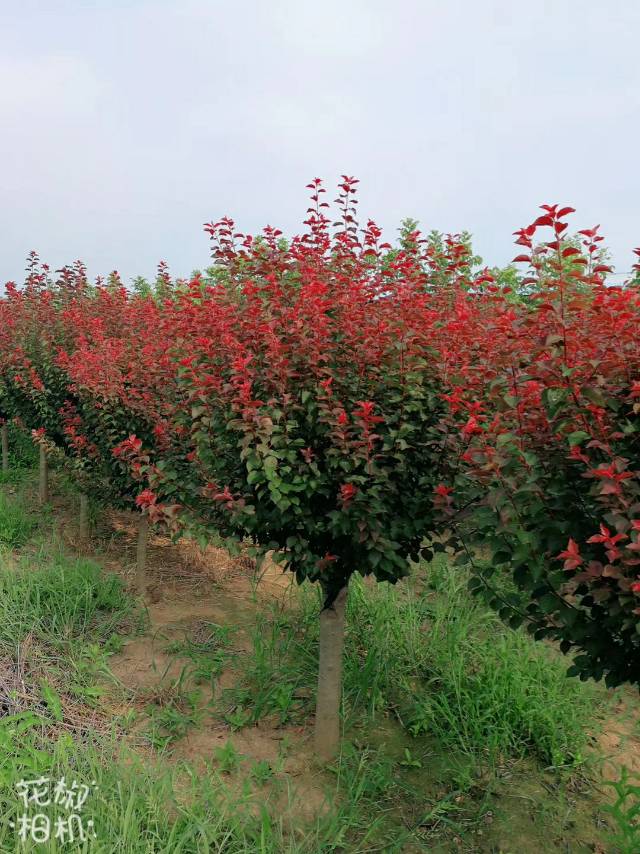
(127, 124)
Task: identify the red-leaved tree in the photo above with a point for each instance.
(546, 397)
(313, 401)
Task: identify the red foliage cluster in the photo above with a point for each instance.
(314, 359)
(333, 397)
(545, 397)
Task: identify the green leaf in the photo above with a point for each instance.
(577, 437)
(52, 700)
(548, 603)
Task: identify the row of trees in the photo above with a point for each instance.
(345, 403)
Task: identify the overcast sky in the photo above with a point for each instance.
(126, 124)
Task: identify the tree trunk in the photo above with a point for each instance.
(5, 448)
(43, 490)
(141, 562)
(327, 729)
(84, 518)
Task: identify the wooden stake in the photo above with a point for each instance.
(141, 562)
(84, 518)
(5, 448)
(43, 490)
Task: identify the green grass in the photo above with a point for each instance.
(435, 658)
(141, 807)
(16, 523)
(208, 654)
(447, 713)
(460, 734)
(67, 600)
(23, 456)
(452, 670)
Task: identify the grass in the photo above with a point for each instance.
(452, 670)
(434, 658)
(141, 807)
(208, 654)
(625, 811)
(447, 709)
(63, 602)
(460, 734)
(16, 523)
(23, 456)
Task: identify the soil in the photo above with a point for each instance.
(619, 740)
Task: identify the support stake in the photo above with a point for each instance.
(43, 490)
(141, 562)
(5, 448)
(84, 518)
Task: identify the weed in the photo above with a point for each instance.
(227, 757)
(171, 721)
(625, 812)
(409, 761)
(261, 771)
(210, 652)
(238, 718)
(275, 676)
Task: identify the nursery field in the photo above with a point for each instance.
(190, 717)
(332, 546)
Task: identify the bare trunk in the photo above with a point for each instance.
(84, 518)
(141, 562)
(327, 729)
(5, 448)
(43, 490)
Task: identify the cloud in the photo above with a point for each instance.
(148, 118)
(37, 88)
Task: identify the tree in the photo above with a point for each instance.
(120, 394)
(32, 388)
(312, 410)
(546, 401)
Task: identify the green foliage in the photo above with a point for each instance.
(65, 601)
(434, 657)
(453, 671)
(16, 523)
(625, 812)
